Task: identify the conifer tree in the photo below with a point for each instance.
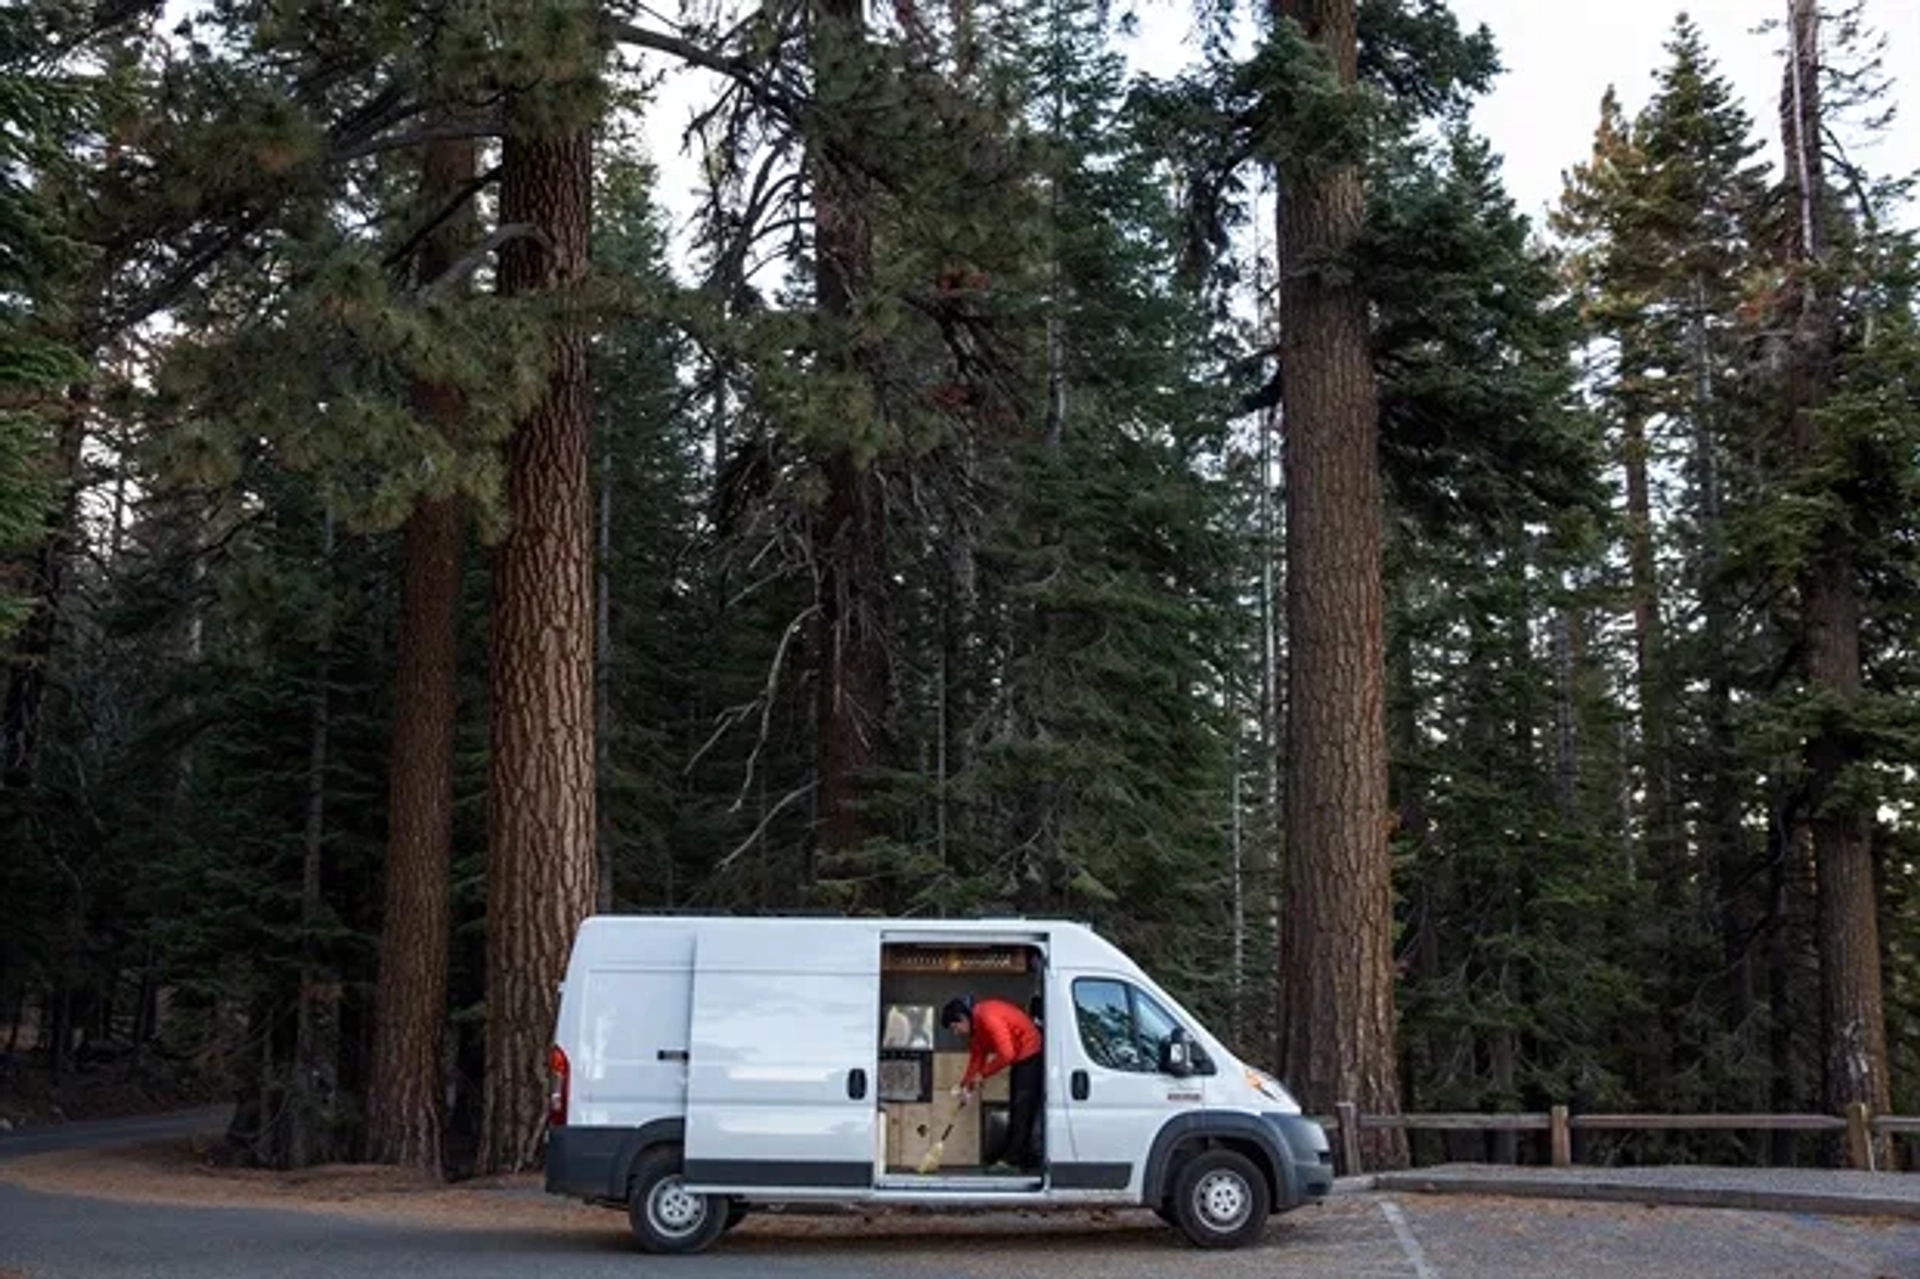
(1337, 1038)
(540, 826)
(404, 1093)
(1811, 309)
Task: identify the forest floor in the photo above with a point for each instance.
(182, 1172)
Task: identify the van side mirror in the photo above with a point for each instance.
(1176, 1055)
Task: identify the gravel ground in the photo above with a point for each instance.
(1898, 1190)
(1516, 1239)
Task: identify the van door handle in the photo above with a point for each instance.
(1080, 1085)
(857, 1084)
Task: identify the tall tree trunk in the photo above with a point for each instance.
(1567, 659)
(312, 1092)
(1337, 1039)
(1853, 1025)
(1723, 832)
(540, 803)
(603, 836)
(1658, 809)
(405, 1094)
(848, 532)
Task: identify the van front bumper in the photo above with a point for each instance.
(1305, 1145)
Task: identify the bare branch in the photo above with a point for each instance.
(501, 237)
(802, 792)
(766, 701)
(487, 125)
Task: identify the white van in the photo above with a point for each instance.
(705, 1065)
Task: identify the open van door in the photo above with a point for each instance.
(782, 1059)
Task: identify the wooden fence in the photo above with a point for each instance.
(1860, 1126)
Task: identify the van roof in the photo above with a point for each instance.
(1069, 941)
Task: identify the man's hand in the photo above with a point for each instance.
(962, 1093)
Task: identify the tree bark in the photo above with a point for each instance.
(1852, 1020)
(848, 532)
(1648, 648)
(405, 1095)
(1337, 975)
(312, 1090)
(540, 804)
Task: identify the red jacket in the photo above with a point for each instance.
(1002, 1035)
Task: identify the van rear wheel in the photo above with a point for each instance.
(1220, 1199)
(667, 1217)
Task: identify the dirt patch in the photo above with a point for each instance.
(178, 1172)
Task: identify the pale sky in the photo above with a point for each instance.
(1543, 110)
(1560, 57)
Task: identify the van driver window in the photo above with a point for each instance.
(1121, 1026)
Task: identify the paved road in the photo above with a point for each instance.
(1354, 1237)
(1363, 1237)
(112, 1132)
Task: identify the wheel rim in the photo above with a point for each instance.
(1223, 1200)
(674, 1210)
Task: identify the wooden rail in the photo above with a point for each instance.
(1346, 1124)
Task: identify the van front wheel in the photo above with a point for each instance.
(665, 1215)
(1220, 1199)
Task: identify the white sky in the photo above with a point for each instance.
(1560, 55)
(1543, 110)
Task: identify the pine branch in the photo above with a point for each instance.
(746, 74)
(490, 124)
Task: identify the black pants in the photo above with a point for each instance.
(1023, 1143)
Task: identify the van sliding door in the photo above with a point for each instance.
(781, 1068)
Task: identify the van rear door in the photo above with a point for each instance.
(624, 1021)
(781, 1069)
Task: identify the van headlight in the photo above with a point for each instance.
(1269, 1087)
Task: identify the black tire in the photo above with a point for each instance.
(1164, 1211)
(1220, 1199)
(666, 1218)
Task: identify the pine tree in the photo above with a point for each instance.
(540, 826)
(1852, 1017)
(1337, 973)
(47, 108)
(1664, 221)
(404, 1095)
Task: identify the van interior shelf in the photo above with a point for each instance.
(954, 959)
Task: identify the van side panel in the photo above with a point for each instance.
(785, 1045)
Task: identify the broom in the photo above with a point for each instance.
(931, 1160)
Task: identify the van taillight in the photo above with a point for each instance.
(558, 1074)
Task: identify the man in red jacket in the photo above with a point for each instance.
(1003, 1038)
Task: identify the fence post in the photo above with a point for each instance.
(1347, 1115)
(1859, 1136)
(1560, 1137)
